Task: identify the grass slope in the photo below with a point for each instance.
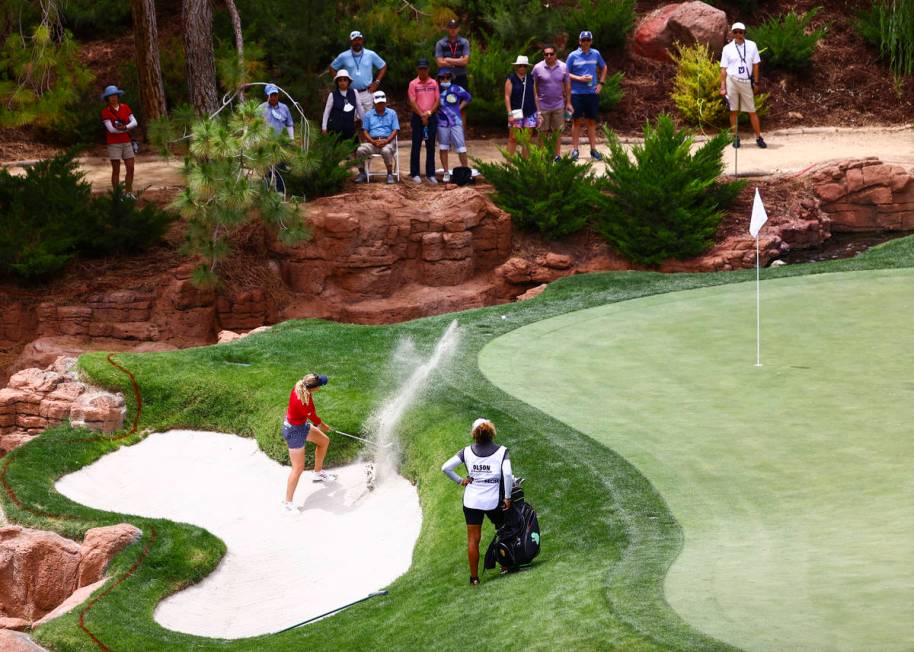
(608, 537)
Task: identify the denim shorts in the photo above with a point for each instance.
(451, 135)
(295, 435)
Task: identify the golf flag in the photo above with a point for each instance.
(759, 216)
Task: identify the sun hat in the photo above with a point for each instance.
(379, 96)
(422, 63)
(354, 34)
(585, 35)
(269, 89)
(521, 61)
(738, 26)
(342, 74)
(111, 90)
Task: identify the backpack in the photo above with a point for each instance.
(462, 175)
(517, 541)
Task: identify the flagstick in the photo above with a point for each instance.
(758, 310)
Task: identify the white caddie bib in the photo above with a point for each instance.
(483, 492)
(347, 107)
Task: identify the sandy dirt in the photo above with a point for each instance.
(788, 151)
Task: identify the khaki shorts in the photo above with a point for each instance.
(553, 120)
(739, 94)
(118, 151)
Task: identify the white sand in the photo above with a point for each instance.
(280, 568)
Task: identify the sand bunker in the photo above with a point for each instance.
(280, 568)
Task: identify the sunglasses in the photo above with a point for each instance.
(586, 39)
(549, 54)
(739, 31)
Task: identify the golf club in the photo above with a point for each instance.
(367, 441)
(311, 620)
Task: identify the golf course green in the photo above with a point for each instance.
(793, 481)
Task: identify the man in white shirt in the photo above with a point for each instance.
(739, 79)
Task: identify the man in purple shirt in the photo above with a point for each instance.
(553, 95)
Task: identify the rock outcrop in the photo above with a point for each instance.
(865, 195)
(36, 399)
(682, 22)
(40, 570)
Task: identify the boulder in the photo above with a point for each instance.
(532, 292)
(684, 22)
(99, 410)
(99, 547)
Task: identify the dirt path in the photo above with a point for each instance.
(788, 151)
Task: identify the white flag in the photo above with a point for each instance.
(759, 216)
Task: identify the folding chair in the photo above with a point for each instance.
(396, 166)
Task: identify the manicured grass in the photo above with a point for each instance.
(791, 480)
(608, 536)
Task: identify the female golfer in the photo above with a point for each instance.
(487, 487)
(296, 431)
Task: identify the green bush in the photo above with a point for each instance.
(696, 88)
(663, 202)
(611, 21)
(787, 42)
(322, 171)
(612, 92)
(890, 27)
(518, 24)
(555, 198)
(49, 215)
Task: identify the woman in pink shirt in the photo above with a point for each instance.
(296, 430)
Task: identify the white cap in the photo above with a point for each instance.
(379, 96)
(354, 34)
(521, 61)
(341, 74)
(738, 26)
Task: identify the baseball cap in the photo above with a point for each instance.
(585, 35)
(354, 34)
(422, 63)
(316, 380)
(269, 89)
(444, 72)
(379, 96)
(738, 26)
(453, 23)
(479, 422)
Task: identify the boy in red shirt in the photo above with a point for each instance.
(118, 120)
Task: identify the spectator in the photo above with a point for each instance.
(453, 101)
(553, 95)
(520, 101)
(584, 66)
(423, 100)
(379, 133)
(361, 63)
(278, 116)
(740, 58)
(453, 52)
(342, 108)
(118, 120)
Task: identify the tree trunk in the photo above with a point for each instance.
(146, 38)
(197, 25)
(239, 39)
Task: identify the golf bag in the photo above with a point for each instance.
(517, 541)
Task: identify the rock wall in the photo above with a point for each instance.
(39, 570)
(36, 399)
(865, 195)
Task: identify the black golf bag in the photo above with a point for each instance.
(517, 541)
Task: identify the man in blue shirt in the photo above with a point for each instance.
(360, 63)
(379, 136)
(585, 65)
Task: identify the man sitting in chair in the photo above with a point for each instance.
(379, 136)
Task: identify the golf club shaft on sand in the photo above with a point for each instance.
(367, 441)
(311, 620)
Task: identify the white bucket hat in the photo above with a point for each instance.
(342, 74)
(521, 61)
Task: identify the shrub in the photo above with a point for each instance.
(788, 41)
(516, 25)
(611, 21)
(666, 203)
(696, 88)
(890, 27)
(612, 92)
(321, 172)
(49, 215)
(554, 197)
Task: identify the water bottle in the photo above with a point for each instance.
(425, 133)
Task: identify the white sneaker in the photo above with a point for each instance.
(446, 178)
(323, 476)
(432, 180)
(289, 508)
(416, 179)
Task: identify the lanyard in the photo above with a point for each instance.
(358, 62)
(454, 46)
(743, 55)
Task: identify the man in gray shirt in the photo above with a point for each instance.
(453, 52)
